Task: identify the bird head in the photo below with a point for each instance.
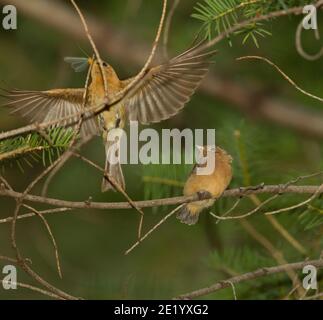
(205, 154)
(203, 151)
(96, 69)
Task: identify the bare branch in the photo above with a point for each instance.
(118, 187)
(96, 51)
(283, 74)
(8, 259)
(33, 288)
(248, 214)
(277, 254)
(314, 297)
(317, 193)
(262, 272)
(167, 28)
(51, 237)
(138, 77)
(32, 214)
(153, 229)
(20, 260)
(229, 211)
(238, 192)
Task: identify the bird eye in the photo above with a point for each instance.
(104, 64)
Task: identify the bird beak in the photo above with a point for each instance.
(212, 148)
(199, 155)
(200, 149)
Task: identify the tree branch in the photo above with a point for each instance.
(238, 192)
(35, 289)
(262, 272)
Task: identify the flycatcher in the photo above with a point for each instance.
(213, 184)
(159, 95)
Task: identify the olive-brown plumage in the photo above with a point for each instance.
(214, 184)
(160, 94)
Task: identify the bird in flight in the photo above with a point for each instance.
(160, 94)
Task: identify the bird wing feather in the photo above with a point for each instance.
(50, 105)
(165, 89)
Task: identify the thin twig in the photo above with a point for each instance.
(33, 288)
(20, 260)
(143, 71)
(153, 229)
(27, 286)
(283, 74)
(314, 297)
(249, 213)
(96, 51)
(8, 259)
(51, 236)
(117, 186)
(275, 253)
(229, 211)
(32, 214)
(167, 28)
(233, 290)
(318, 192)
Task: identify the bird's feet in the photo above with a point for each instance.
(204, 195)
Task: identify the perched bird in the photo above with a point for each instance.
(160, 94)
(213, 184)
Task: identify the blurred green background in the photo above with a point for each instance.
(176, 258)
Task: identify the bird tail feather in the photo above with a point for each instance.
(114, 171)
(189, 215)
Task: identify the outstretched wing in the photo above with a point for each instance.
(44, 106)
(165, 89)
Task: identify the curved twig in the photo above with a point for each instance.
(167, 28)
(283, 74)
